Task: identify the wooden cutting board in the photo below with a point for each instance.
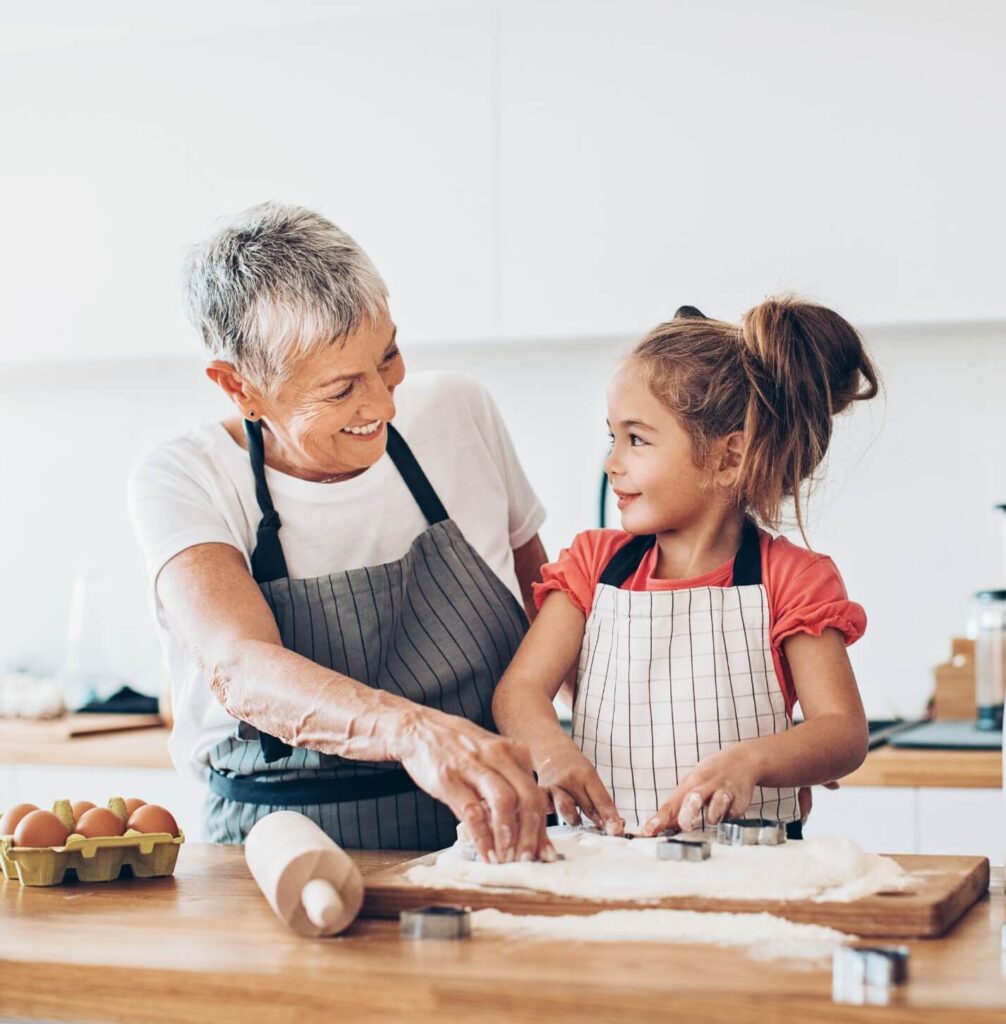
(945, 889)
(96, 723)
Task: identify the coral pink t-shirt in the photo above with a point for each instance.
(805, 591)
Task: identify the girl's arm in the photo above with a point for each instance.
(829, 743)
(523, 710)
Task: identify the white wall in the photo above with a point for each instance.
(518, 168)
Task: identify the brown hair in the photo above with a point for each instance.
(780, 377)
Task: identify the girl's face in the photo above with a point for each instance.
(650, 467)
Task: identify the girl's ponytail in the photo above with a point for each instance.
(804, 364)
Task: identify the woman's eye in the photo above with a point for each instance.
(341, 395)
(633, 438)
(391, 357)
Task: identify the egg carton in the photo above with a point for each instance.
(97, 859)
(149, 855)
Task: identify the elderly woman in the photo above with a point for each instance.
(338, 596)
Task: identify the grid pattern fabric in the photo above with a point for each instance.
(668, 677)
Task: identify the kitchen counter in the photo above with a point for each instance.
(205, 946)
(957, 769)
(26, 742)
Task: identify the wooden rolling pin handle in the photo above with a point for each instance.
(322, 903)
(309, 881)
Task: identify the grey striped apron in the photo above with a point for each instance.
(437, 627)
(667, 677)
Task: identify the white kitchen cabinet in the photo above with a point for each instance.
(123, 147)
(901, 819)
(654, 154)
(43, 784)
(879, 819)
(963, 821)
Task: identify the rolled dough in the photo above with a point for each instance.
(609, 867)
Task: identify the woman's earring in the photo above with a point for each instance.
(250, 415)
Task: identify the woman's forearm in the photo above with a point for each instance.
(819, 750)
(306, 705)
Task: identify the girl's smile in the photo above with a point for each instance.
(624, 499)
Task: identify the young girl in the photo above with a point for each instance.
(692, 630)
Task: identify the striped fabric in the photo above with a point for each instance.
(437, 627)
(668, 677)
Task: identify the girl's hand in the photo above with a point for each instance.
(722, 784)
(575, 786)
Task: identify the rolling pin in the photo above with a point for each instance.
(309, 881)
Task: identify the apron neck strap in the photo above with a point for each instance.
(268, 561)
(747, 562)
(626, 560)
(415, 479)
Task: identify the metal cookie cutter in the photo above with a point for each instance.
(684, 849)
(437, 922)
(863, 975)
(751, 832)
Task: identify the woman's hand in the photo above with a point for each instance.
(721, 784)
(484, 779)
(574, 786)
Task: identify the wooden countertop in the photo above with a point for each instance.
(24, 742)
(894, 766)
(205, 946)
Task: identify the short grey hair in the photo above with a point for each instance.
(274, 283)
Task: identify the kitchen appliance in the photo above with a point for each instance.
(989, 615)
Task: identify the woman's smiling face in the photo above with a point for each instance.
(650, 468)
(329, 417)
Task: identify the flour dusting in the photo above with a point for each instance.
(772, 937)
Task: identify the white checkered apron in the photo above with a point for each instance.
(668, 677)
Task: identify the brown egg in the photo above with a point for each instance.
(40, 828)
(151, 818)
(99, 821)
(132, 802)
(78, 807)
(10, 820)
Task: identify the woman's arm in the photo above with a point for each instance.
(831, 741)
(217, 610)
(527, 562)
(523, 709)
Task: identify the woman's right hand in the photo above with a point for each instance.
(574, 786)
(485, 779)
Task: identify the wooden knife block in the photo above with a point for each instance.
(954, 697)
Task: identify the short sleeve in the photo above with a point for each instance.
(812, 598)
(170, 511)
(525, 513)
(578, 568)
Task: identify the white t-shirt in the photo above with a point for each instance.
(199, 489)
